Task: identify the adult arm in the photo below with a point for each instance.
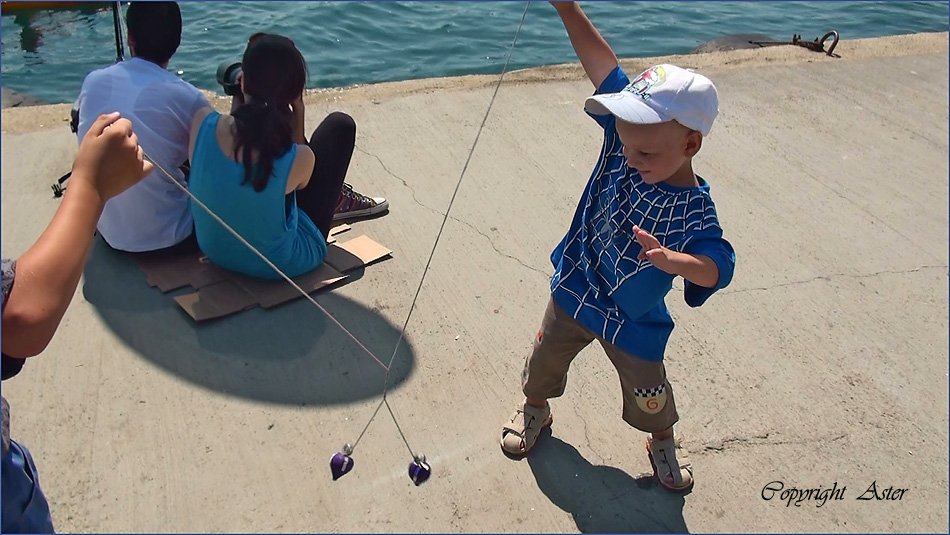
(297, 108)
(595, 55)
(109, 161)
(303, 165)
(237, 100)
(302, 169)
(195, 128)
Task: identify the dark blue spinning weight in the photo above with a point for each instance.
(419, 470)
(341, 462)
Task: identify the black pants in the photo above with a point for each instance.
(332, 143)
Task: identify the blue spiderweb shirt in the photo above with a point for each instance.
(597, 277)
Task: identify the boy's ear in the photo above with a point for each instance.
(694, 142)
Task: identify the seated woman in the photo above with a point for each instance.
(255, 169)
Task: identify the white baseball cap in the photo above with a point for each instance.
(659, 94)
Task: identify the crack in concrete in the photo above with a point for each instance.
(587, 441)
(718, 446)
(399, 178)
(499, 251)
(722, 444)
(828, 278)
(457, 220)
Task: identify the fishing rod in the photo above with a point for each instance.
(59, 187)
(117, 24)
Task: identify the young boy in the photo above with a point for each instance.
(644, 218)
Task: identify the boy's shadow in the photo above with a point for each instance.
(603, 499)
(290, 354)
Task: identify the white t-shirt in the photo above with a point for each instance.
(154, 213)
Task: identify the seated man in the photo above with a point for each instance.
(154, 214)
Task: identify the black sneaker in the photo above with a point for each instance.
(354, 205)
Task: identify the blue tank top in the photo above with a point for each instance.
(269, 219)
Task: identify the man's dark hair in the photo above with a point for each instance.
(155, 28)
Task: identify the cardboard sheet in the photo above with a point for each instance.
(216, 300)
(339, 229)
(358, 252)
(169, 273)
(272, 293)
(219, 292)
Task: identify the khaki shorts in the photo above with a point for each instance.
(647, 396)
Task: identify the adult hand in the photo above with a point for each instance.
(110, 158)
(237, 99)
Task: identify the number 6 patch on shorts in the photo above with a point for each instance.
(651, 400)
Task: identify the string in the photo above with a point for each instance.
(261, 255)
(438, 236)
(387, 367)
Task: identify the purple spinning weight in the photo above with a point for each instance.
(340, 464)
(419, 470)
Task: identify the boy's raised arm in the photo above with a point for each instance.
(591, 48)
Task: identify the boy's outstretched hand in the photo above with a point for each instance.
(651, 249)
(698, 269)
(110, 158)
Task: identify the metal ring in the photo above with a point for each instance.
(834, 43)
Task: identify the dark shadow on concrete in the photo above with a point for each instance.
(603, 499)
(291, 354)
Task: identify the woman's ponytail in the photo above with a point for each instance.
(264, 134)
(275, 74)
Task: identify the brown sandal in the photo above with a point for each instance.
(674, 475)
(521, 432)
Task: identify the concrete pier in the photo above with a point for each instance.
(824, 365)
